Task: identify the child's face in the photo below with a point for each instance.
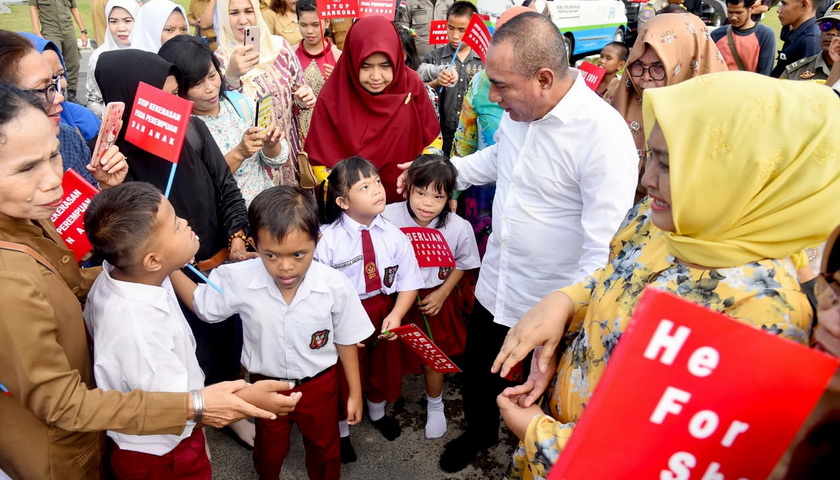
(365, 199)
(205, 93)
(174, 243)
(287, 260)
(426, 203)
(738, 15)
(376, 73)
(310, 28)
(455, 28)
(610, 60)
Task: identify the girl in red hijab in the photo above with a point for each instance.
(372, 106)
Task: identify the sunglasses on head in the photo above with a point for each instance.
(827, 25)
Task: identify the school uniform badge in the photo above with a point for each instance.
(390, 275)
(370, 270)
(319, 339)
(444, 272)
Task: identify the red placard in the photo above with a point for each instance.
(383, 8)
(709, 398)
(477, 36)
(69, 217)
(338, 9)
(428, 352)
(438, 33)
(592, 74)
(430, 247)
(158, 122)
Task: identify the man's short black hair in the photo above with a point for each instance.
(623, 50)
(461, 9)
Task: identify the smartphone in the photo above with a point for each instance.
(111, 125)
(265, 112)
(252, 37)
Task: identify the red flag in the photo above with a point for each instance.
(592, 74)
(438, 35)
(383, 8)
(338, 9)
(709, 396)
(428, 352)
(158, 122)
(69, 217)
(477, 36)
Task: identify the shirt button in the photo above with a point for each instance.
(65, 259)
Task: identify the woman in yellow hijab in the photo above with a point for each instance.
(729, 201)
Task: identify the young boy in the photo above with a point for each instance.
(745, 44)
(141, 339)
(613, 58)
(298, 319)
(467, 64)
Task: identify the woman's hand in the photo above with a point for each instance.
(223, 407)
(272, 136)
(111, 170)
(241, 62)
(252, 142)
(239, 251)
(305, 97)
(544, 324)
(529, 392)
(516, 417)
(402, 180)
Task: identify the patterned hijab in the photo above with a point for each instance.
(740, 190)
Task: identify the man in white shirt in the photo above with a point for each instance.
(565, 168)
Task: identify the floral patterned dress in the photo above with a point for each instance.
(764, 294)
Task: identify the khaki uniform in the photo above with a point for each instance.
(418, 15)
(811, 68)
(57, 26)
(100, 23)
(650, 10)
(53, 421)
(338, 30)
(194, 13)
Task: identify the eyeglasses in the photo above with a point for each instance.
(656, 72)
(827, 25)
(49, 92)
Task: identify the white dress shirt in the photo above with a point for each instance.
(282, 340)
(141, 342)
(340, 247)
(563, 185)
(457, 232)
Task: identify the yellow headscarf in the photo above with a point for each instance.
(755, 165)
(270, 45)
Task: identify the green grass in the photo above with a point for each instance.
(18, 20)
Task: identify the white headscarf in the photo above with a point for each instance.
(110, 42)
(150, 22)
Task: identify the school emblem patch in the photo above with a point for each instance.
(390, 275)
(370, 270)
(319, 339)
(443, 272)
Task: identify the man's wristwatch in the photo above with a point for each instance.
(84, 30)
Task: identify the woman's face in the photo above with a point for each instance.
(34, 73)
(650, 60)
(205, 93)
(310, 28)
(175, 25)
(827, 334)
(657, 180)
(30, 168)
(376, 73)
(241, 14)
(120, 24)
(57, 68)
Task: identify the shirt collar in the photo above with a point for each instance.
(801, 30)
(313, 281)
(155, 296)
(569, 105)
(449, 52)
(353, 227)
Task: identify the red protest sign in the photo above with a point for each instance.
(430, 247)
(711, 398)
(158, 122)
(592, 74)
(438, 34)
(428, 352)
(69, 217)
(383, 8)
(338, 9)
(477, 36)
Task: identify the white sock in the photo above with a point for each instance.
(435, 417)
(343, 428)
(376, 410)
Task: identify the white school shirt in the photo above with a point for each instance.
(563, 185)
(141, 341)
(281, 340)
(340, 247)
(457, 232)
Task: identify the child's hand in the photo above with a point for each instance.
(447, 77)
(391, 321)
(354, 409)
(267, 394)
(432, 303)
(517, 418)
(305, 97)
(272, 135)
(252, 141)
(328, 69)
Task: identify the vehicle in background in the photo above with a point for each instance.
(712, 12)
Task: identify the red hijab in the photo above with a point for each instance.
(388, 128)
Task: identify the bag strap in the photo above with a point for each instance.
(17, 247)
(731, 40)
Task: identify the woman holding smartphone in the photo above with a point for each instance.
(264, 66)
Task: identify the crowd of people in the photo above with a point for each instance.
(550, 206)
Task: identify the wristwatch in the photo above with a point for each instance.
(84, 30)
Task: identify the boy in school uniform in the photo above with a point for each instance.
(457, 80)
(613, 58)
(299, 318)
(141, 339)
(745, 44)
